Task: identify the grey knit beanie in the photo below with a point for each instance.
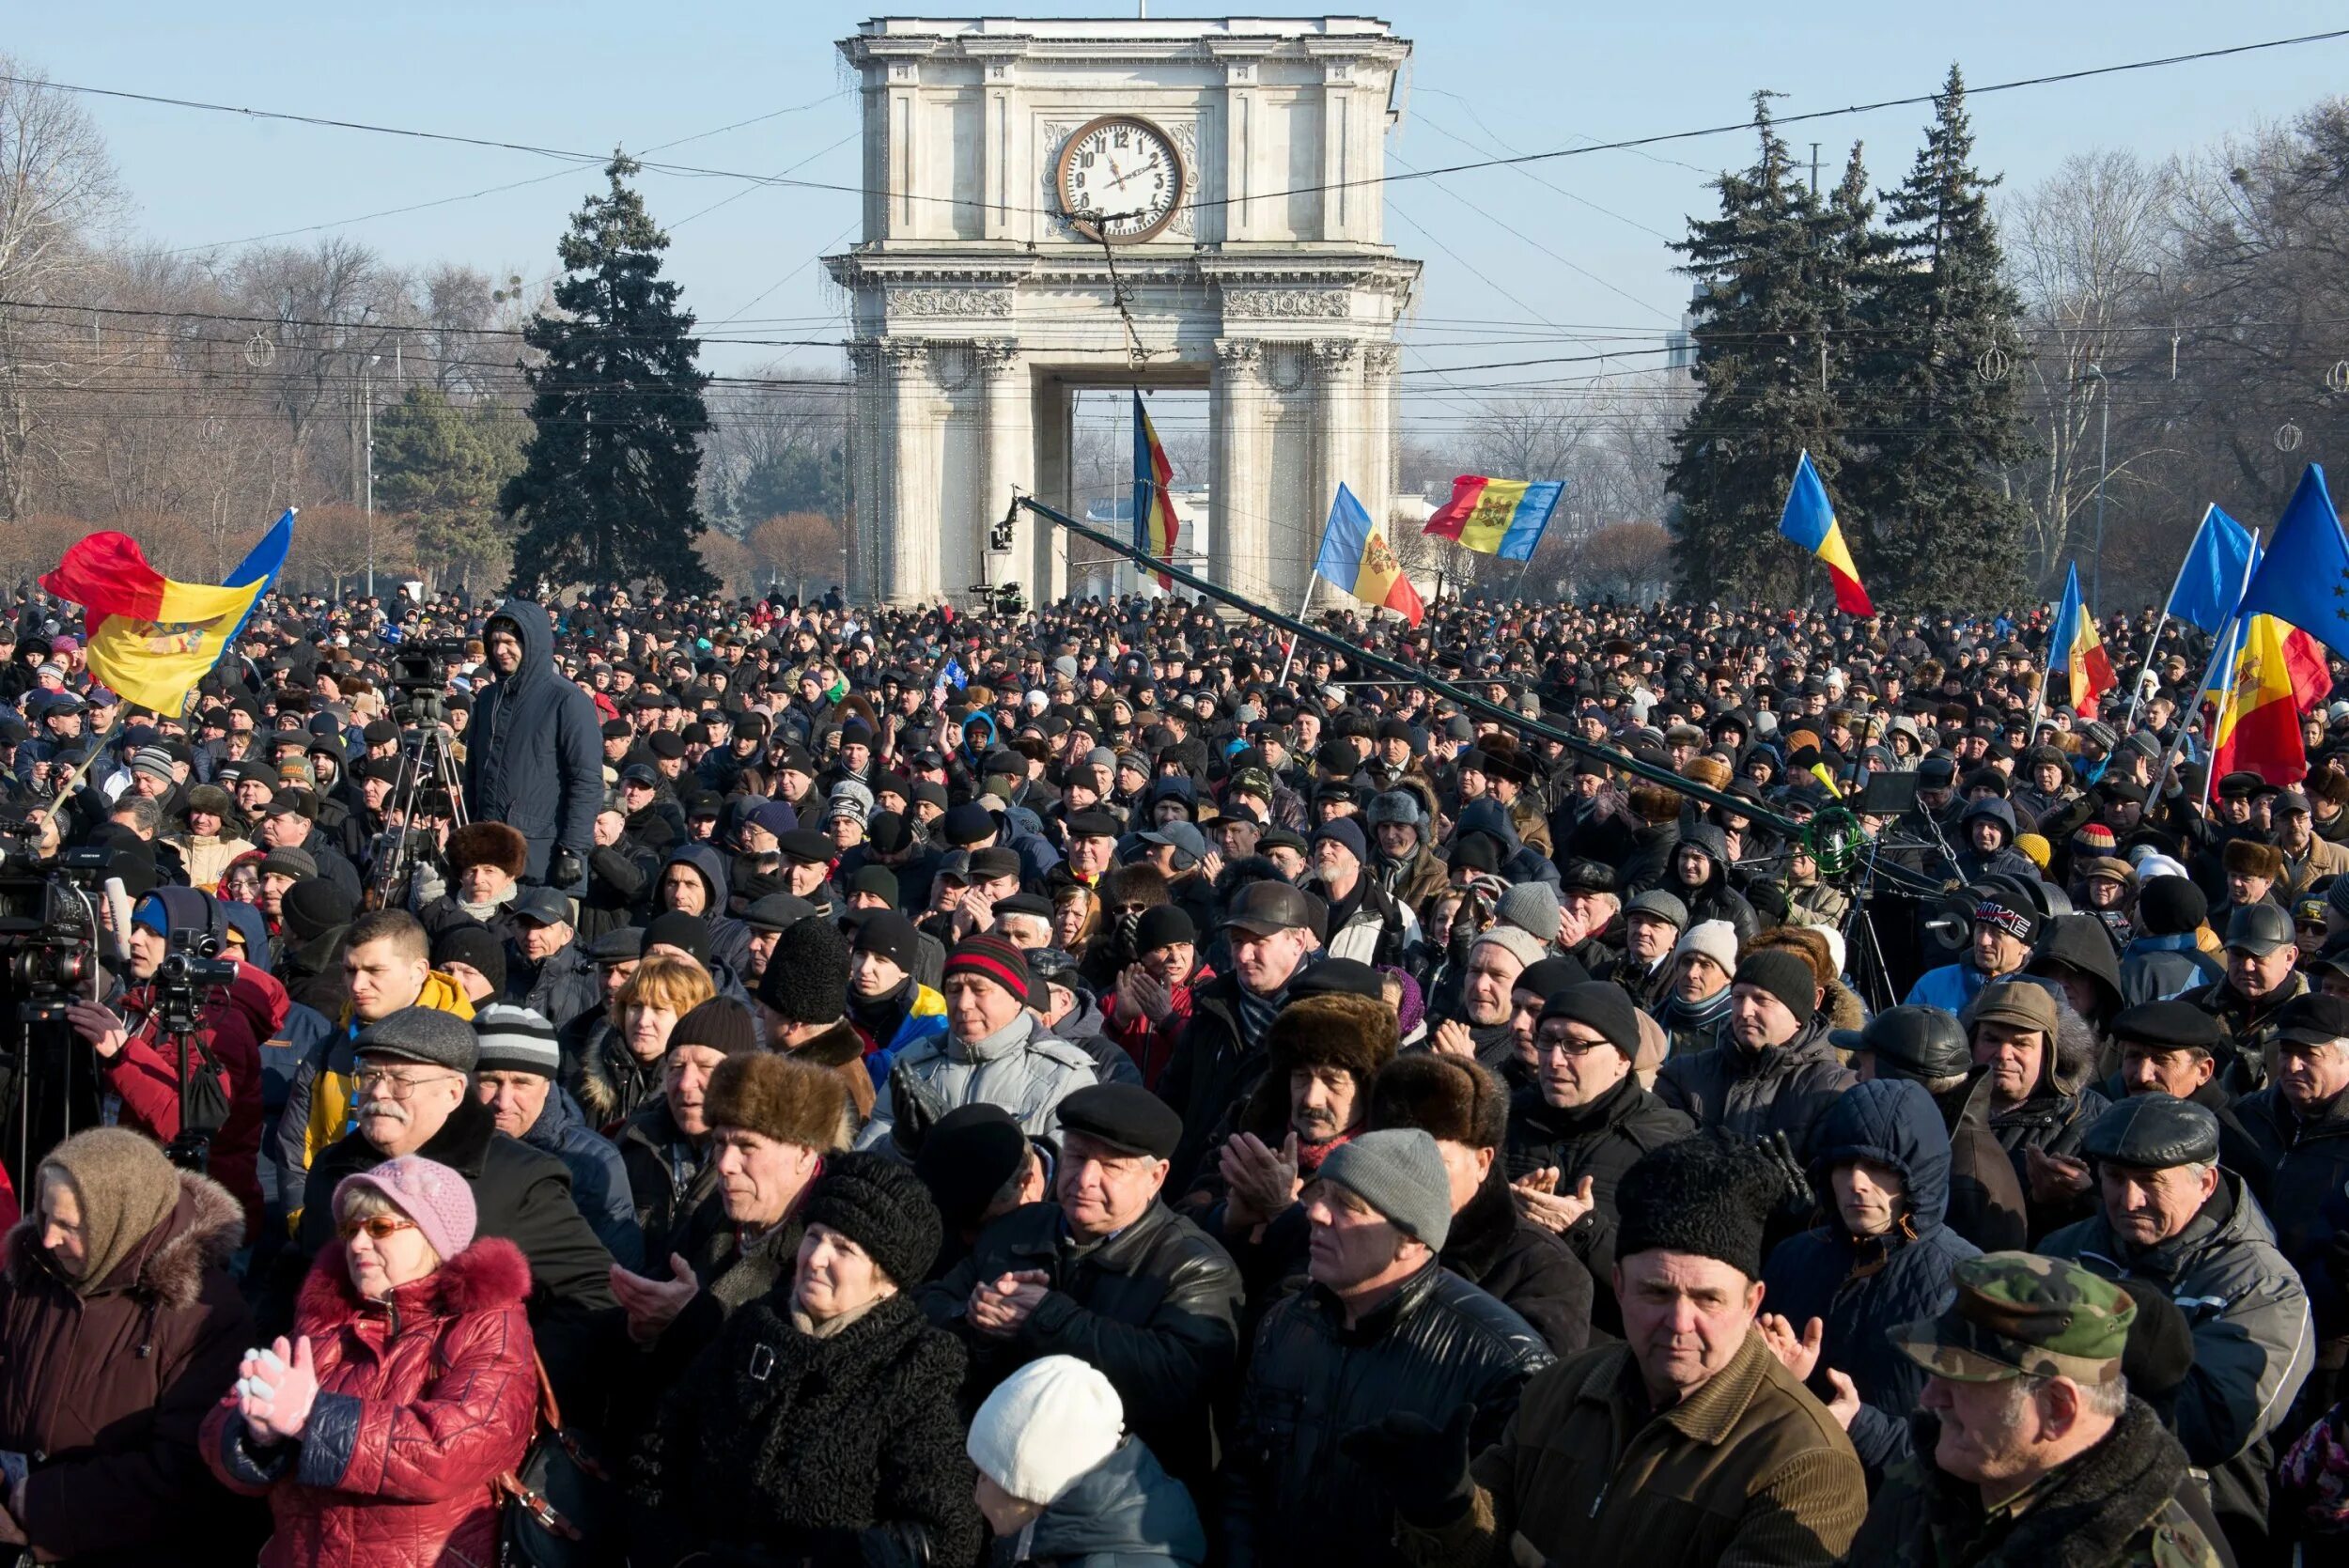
(1529, 907)
(1399, 1172)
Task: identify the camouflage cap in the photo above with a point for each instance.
(2019, 1315)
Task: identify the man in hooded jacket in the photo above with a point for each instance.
(533, 752)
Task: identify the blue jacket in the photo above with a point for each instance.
(599, 1180)
(1952, 987)
(1124, 1512)
(534, 753)
(729, 939)
(1819, 1273)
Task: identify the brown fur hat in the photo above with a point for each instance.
(1710, 771)
(1448, 1097)
(2248, 857)
(1800, 940)
(1140, 884)
(1655, 803)
(2326, 784)
(782, 1098)
(488, 844)
(1333, 1029)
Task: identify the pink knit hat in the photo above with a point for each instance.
(435, 1197)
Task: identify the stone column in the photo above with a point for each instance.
(1379, 443)
(1337, 412)
(1008, 450)
(910, 549)
(1237, 539)
(870, 468)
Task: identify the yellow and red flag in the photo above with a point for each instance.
(1809, 521)
(1501, 518)
(2076, 651)
(1156, 525)
(1355, 556)
(2279, 672)
(152, 639)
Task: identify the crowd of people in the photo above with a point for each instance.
(900, 1087)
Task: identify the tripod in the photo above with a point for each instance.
(428, 764)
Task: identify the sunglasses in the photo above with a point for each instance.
(379, 1227)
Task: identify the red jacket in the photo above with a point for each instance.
(1151, 1046)
(424, 1401)
(145, 1075)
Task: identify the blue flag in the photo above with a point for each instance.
(2211, 577)
(2304, 579)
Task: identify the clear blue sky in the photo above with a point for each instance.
(1520, 77)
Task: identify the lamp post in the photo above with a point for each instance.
(2103, 472)
(367, 402)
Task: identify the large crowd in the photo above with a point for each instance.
(754, 1083)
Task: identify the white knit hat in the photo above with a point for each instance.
(1045, 1427)
(1716, 938)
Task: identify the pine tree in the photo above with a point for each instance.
(1770, 292)
(607, 492)
(1939, 530)
(442, 467)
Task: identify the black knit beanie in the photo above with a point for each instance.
(1708, 1195)
(722, 1024)
(1784, 976)
(806, 978)
(2171, 906)
(882, 1207)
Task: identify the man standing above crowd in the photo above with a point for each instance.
(534, 757)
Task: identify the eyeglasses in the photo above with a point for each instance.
(1556, 1046)
(379, 1227)
(371, 1081)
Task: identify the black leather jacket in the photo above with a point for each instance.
(1601, 1140)
(1290, 1495)
(1154, 1309)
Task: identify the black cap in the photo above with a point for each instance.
(638, 773)
(1337, 977)
(1124, 1116)
(2153, 1132)
(805, 845)
(1163, 926)
(776, 911)
(967, 1156)
(1093, 824)
(2258, 929)
(1923, 1042)
(2173, 1025)
(886, 934)
(543, 905)
(1264, 908)
(2313, 1019)
(1598, 1005)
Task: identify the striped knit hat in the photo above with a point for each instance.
(515, 1040)
(991, 957)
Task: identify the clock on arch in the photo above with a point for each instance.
(1120, 180)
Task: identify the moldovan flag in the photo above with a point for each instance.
(1502, 518)
(2258, 729)
(2076, 651)
(1809, 519)
(1156, 526)
(1355, 556)
(152, 639)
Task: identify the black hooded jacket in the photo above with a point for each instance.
(533, 755)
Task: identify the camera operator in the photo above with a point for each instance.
(139, 1060)
(535, 758)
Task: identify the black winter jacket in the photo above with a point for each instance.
(1754, 1093)
(1154, 1309)
(1213, 1071)
(779, 1448)
(1526, 1268)
(533, 752)
(1860, 1288)
(1290, 1495)
(1601, 1140)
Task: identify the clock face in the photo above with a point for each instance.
(1120, 180)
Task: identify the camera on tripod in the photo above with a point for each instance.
(420, 679)
(48, 931)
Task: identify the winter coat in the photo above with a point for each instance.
(2250, 1027)
(1754, 1093)
(1412, 882)
(1986, 1196)
(612, 1082)
(1154, 1309)
(145, 1075)
(424, 1401)
(2308, 1162)
(1290, 1495)
(1023, 1067)
(1748, 1469)
(2129, 1502)
(524, 1196)
(599, 1178)
(1379, 931)
(620, 878)
(1214, 1069)
(1951, 988)
(2155, 968)
(667, 1178)
(1124, 1512)
(2053, 1123)
(781, 1448)
(1601, 1140)
(1526, 1268)
(1860, 1288)
(533, 752)
(729, 939)
(567, 984)
(2253, 1340)
(107, 1391)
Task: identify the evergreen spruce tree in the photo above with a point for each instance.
(1771, 291)
(607, 491)
(1936, 528)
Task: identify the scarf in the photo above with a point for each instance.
(1696, 1017)
(1256, 1012)
(879, 1017)
(1310, 1156)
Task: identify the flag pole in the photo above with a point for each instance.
(72, 781)
(1289, 662)
(2152, 644)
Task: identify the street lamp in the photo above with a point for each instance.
(2103, 472)
(367, 398)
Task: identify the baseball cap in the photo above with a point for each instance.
(2019, 1315)
(2258, 929)
(1265, 908)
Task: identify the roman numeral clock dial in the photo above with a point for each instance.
(1120, 180)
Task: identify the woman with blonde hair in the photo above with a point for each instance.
(644, 1014)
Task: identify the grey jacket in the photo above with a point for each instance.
(2253, 1340)
(1023, 1067)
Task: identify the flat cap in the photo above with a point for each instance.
(1124, 1116)
(422, 1034)
(2170, 1025)
(1658, 905)
(1922, 1042)
(1264, 908)
(2312, 1019)
(543, 905)
(2152, 1132)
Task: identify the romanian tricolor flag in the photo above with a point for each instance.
(2257, 727)
(2074, 651)
(1496, 516)
(152, 639)
(1156, 526)
(1809, 521)
(1356, 557)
